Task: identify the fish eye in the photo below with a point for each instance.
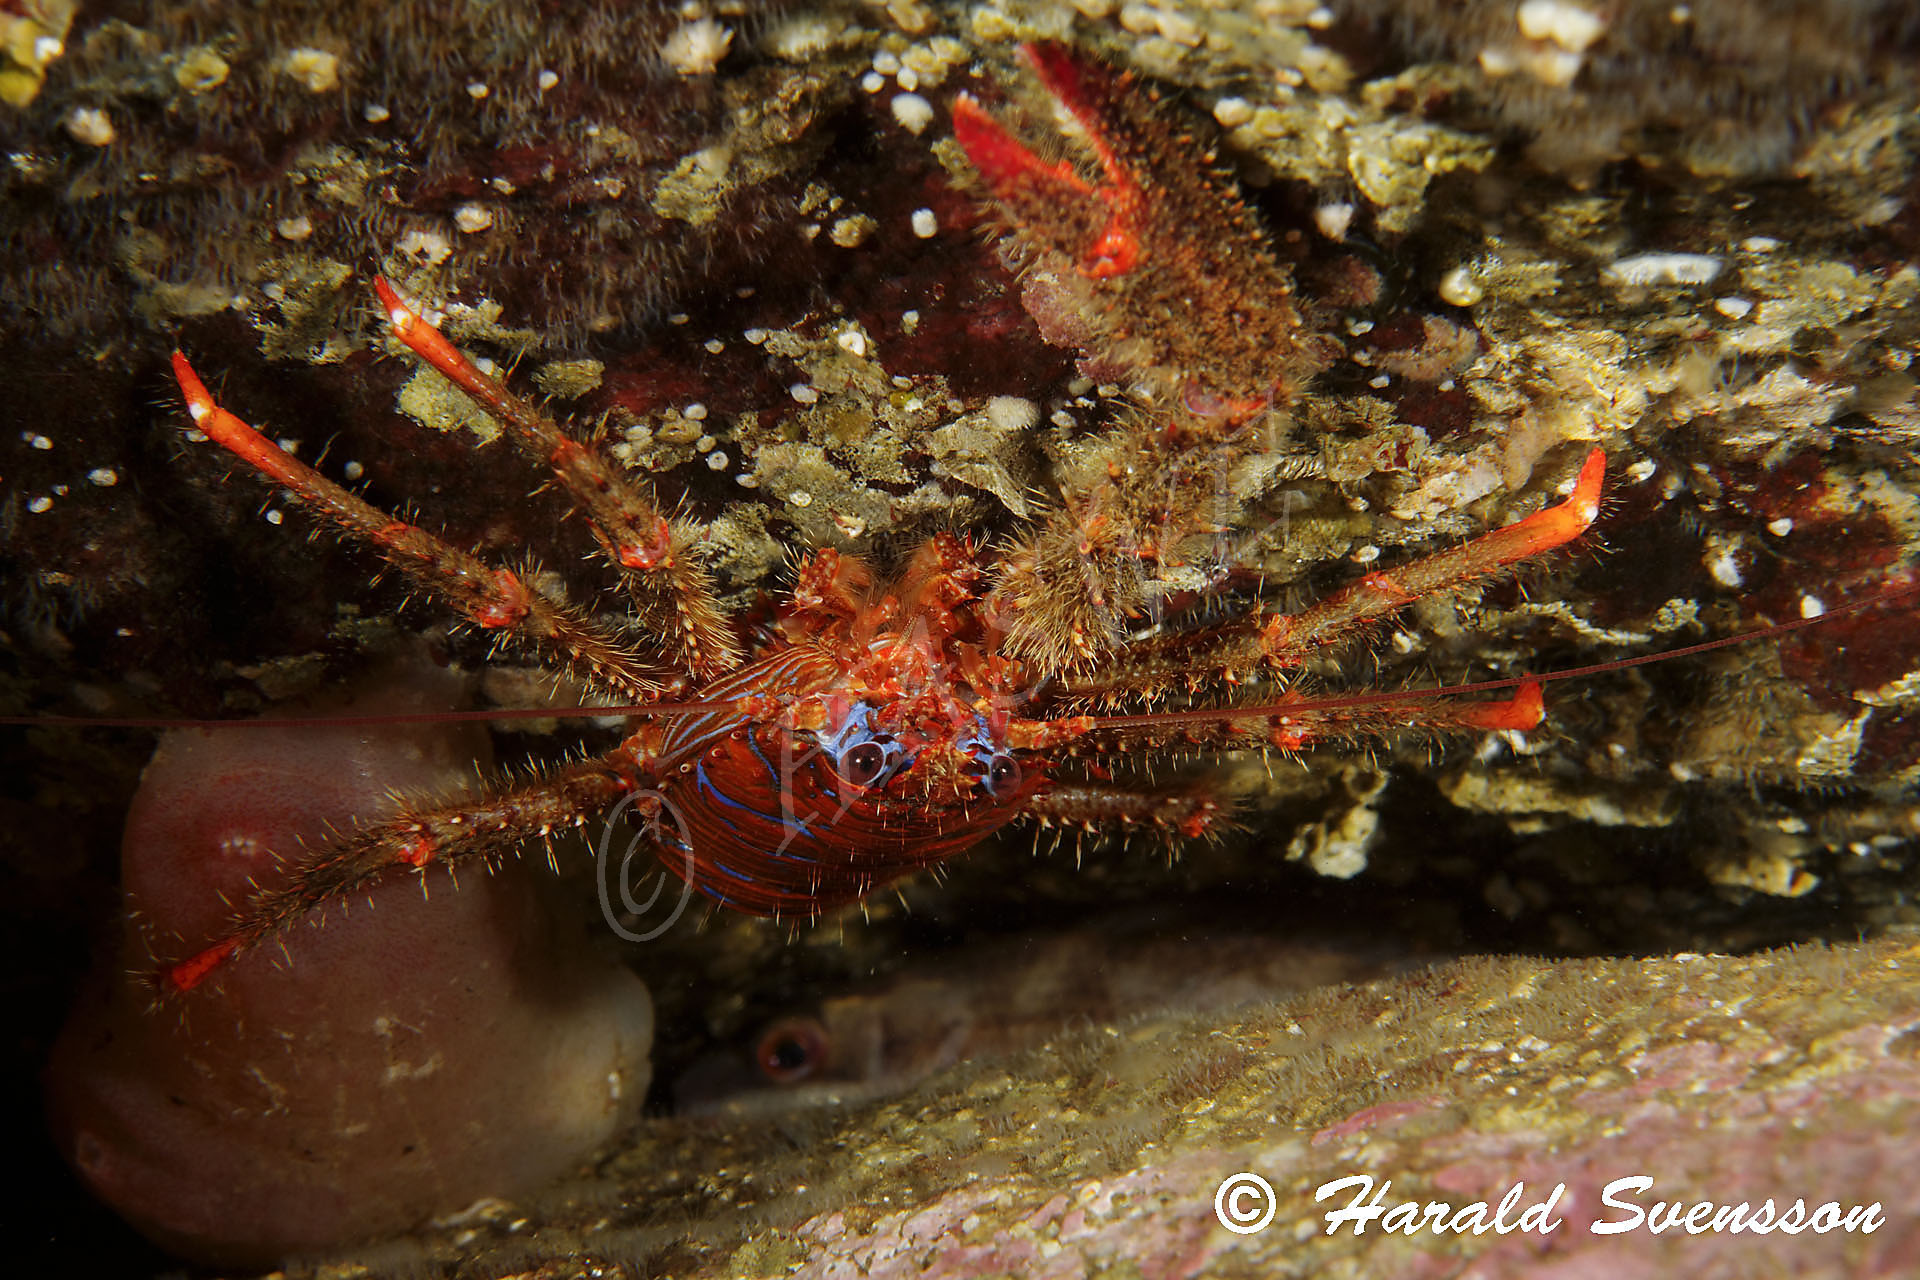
(863, 764)
(791, 1050)
(1003, 774)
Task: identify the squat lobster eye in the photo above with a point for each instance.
(1000, 773)
(867, 764)
(862, 757)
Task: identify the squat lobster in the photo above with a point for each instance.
(879, 730)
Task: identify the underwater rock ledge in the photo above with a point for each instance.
(1789, 1074)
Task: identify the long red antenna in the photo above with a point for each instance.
(1344, 701)
(358, 722)
(1198, 715)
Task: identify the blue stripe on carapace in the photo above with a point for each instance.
(793, 826)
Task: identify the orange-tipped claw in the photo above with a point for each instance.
(1524, 711)
(1006, 162)
(1564, 521)
(192, 971)
(1011, 167)
(233, 435)
(431, 345)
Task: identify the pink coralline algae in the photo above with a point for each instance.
(1662, 1084)
(1101, 1224)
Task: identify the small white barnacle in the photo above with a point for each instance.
(1644, 269)
(472, 218)
(695, 48)
(911, 111)
(89, 126)
(1459, 288)
(1567, 25)
(1334, 218)
(316, 70)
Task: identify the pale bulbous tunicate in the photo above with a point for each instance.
(402, 1058)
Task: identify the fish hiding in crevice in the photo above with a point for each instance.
(1002, 996)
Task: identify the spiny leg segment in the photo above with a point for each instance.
(1146, 243)
(1171, 275)
(1101, 806)
(651, 553)
(1283, 642)
(634, 534)
(459, 832)
(1286, 640)
(491, 598)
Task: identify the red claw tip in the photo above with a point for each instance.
(192, 971)
(1524, 711)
